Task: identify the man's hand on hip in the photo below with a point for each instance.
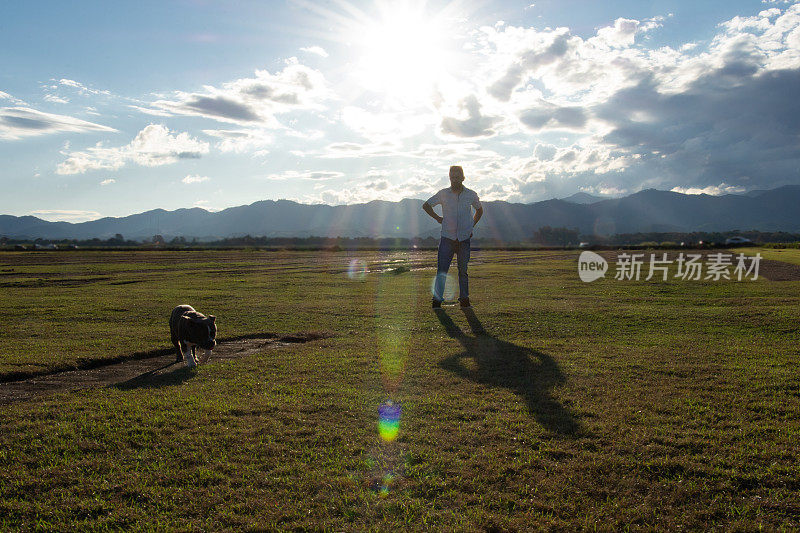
(428, 209)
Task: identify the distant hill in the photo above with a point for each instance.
(645, 211)
(583, 198)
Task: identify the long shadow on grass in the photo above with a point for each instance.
(529, 373)
(154, 379)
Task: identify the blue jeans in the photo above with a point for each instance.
(448, 247)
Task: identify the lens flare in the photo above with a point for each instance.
(450, 285)
(394, 310)
(389, 420)
(396, 304)
(392, 359)
(386, 482)
(357, 269)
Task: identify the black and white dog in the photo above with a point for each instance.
(190, 329)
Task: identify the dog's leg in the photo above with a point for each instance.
(187, 354)
(191, 360)
(179, 352)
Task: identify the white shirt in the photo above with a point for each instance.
(456, 213)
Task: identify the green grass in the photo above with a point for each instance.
(788, 255)
(106, 305)
(610, 405)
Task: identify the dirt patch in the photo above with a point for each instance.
(779, 271)
(527, 256)
(127, 282)
(151, 369)
(54, 282)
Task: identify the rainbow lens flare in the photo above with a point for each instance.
(389, 420)
(386, 482)
(449, 283)
(357, 269)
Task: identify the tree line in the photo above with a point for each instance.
(545, 236)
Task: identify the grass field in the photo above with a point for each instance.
(789, 255)
(556, 404)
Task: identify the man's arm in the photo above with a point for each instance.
(478, 215)
(428, 209)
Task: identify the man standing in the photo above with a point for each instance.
(457, 222)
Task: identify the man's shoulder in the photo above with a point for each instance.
(470, 192)
(441, 194)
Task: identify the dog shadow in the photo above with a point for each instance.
(154, 379)
(497, 363)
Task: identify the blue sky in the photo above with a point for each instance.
(111, 108)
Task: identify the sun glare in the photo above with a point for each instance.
(403, 52)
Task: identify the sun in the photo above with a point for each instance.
(403, 52)
(398, 52)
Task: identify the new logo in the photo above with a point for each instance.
(591, 266)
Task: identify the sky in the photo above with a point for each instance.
(113, 108)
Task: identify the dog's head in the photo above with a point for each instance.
(201, 330)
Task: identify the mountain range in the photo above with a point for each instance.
(645, 211)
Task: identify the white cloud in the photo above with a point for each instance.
(254, 100)
(70, 86)
(81, 88)
(548, 116)
(620, 35)
(375, 184)
(205, 204)
(317, 50)
(150, 111)
(602, 189)
(309, 175)
(713, 190)
(65, 215)
(108, 181)
(153, 146)
(19, 122)
(189, 179)
(351, 150)
(240, 141)
(470, 122)
(545, 152)
(55, 99)
(15, 101)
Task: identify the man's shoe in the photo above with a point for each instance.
(464, 303)
(436, 304)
